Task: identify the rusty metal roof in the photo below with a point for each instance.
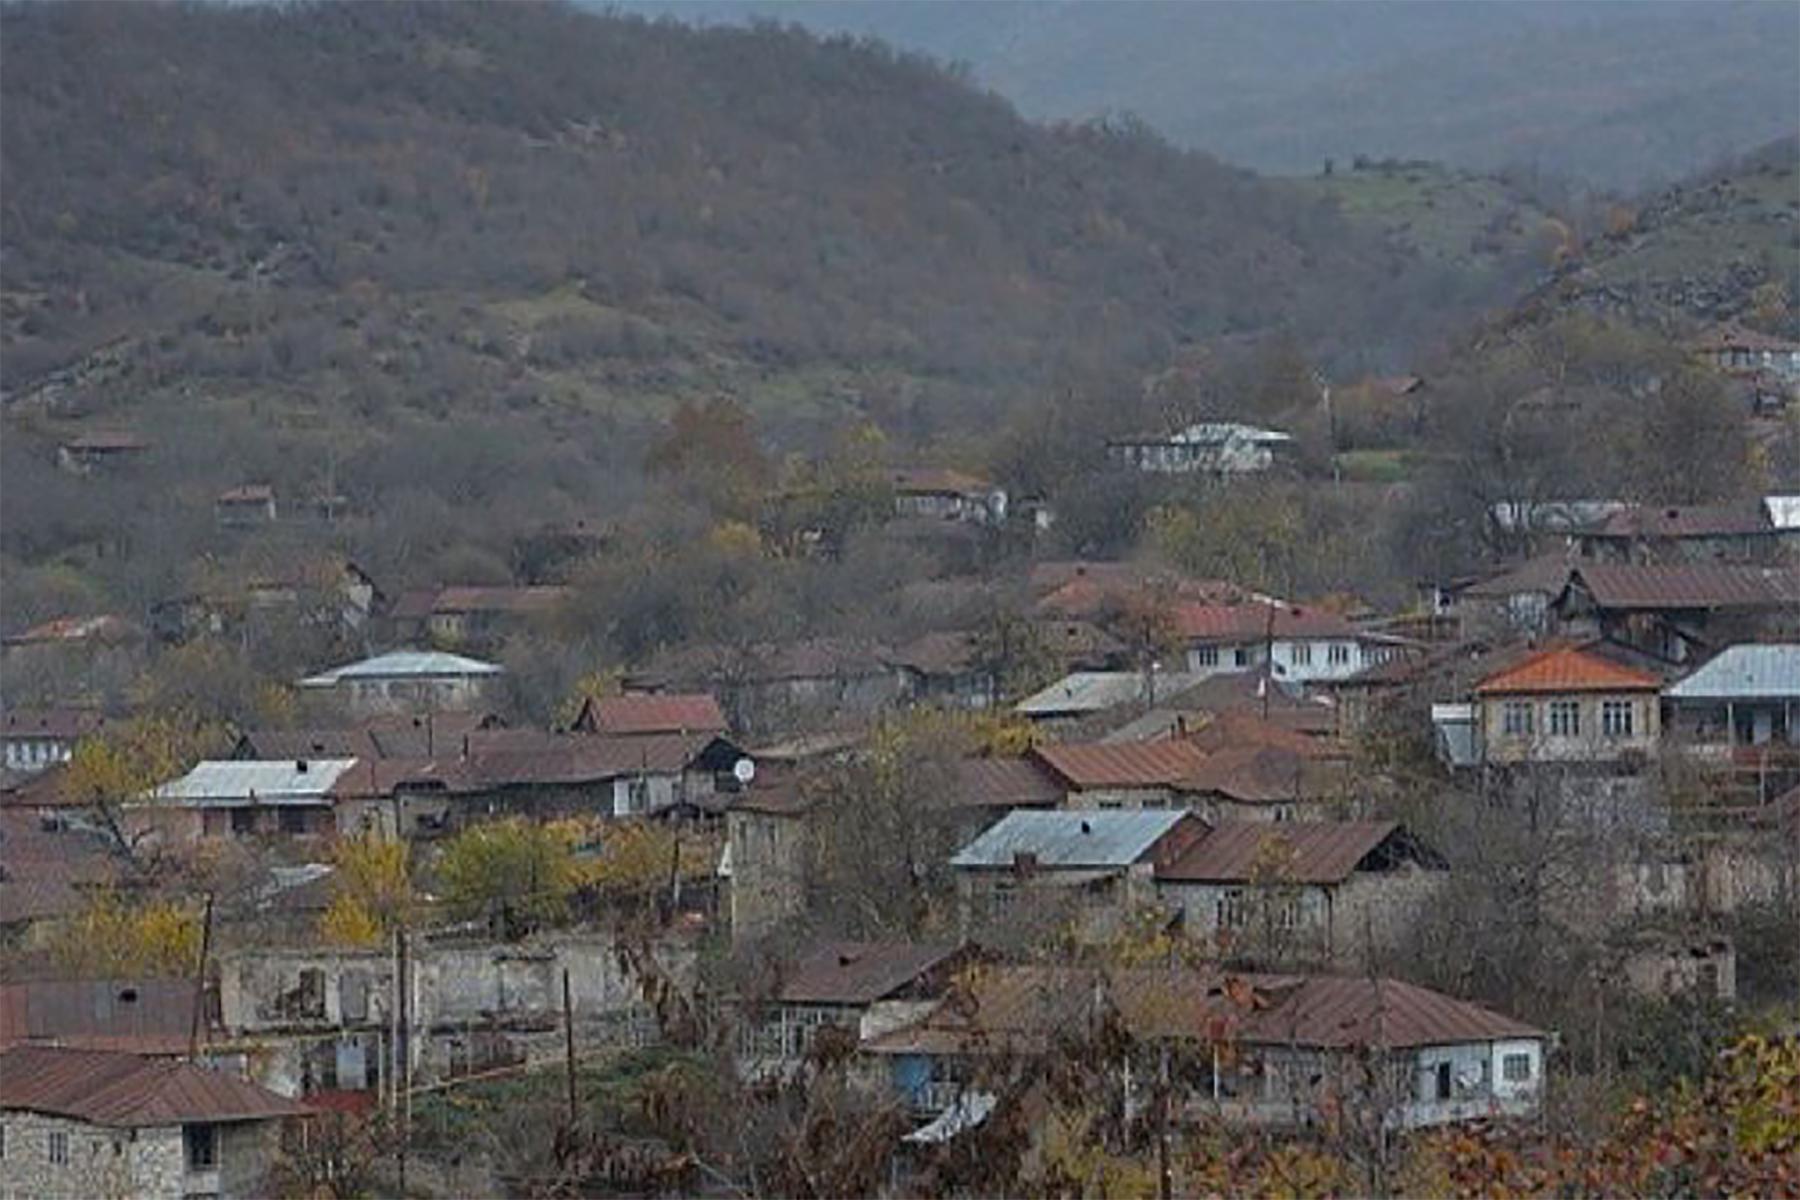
(652, 712)
(861, 972)
(1241, 622)
(1567, 669)
(1281, 851)
(1335, 1012)
(1688, 521)
(128, 1090)
(1006, 783)
(1121, 764)
(1545, 573)
(61, 724)
(1623, 586)
(148, 1016)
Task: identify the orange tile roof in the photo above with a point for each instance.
(1567, 669)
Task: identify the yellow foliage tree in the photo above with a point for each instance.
(371, 891)
(109, 938)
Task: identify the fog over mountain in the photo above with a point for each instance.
(1619, 93)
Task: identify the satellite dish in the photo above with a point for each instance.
(743, 770)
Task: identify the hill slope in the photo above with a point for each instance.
(1615, 94)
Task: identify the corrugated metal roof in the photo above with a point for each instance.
(1121, 764)
(267, 781)
(1566, 669)
(148, 1016)
(1754, 671)
(1285, 851)
(860, 972)
(1241, 622)
(653, 712)
(1005, 783)
(1623, 586)
(62, 724)
(1097, 691)
(1334, 1012)
(405, 664)
(1109, 838)
(1545, 573)
(128, 1090)
(1686, 521)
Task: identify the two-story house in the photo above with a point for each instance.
(1295, 644)
(1567, 704)
(34, 739)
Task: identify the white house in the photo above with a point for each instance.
(38, 738)
(1218, 447)
(1297, 645)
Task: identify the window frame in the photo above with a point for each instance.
(1618, 718)
(1231, 909)
(1520, 1059)
(57, 1147)
(1206, 656)
(198, 1136)
(1518, 718)
(1562, 718)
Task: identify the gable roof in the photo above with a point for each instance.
(860, 972)
(652, 712)
(1106, 838)
(937, 481)
(61, 724)
(128, 1090)
(256, 781)
(45, 869)
(405, 664)
(1252, 621)
(1629, 586)
(1097, 691)
(1005, 783)
(1120, 764)
(1315, 852)
(1566, 669)
(1753, 671)
(1545, 573)
(1336, 1012)
(1688, 521)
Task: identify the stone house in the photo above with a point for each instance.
(1679, 614)
(640, 713)
(100, 449)
(766, 848)
(1098, 866)
(1566, 704)
(778, 685)
(941, 668)
(537, 774)
(1683, 534)
(406, 681)
(1301, 891)
(861, 988)
(1290, 1051)
(939, 493)
(77, 1124)
(463, 615)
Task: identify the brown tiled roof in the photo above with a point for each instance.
(937, 481)
(1621, 586)
(1566, 669)
(1005, 783)
(128, 1090)
(861, 972)
(1688, 521)
(1289, 851)
(1335, 1012)
(808, 658)
(1070, 637)
(1240, 622)
(146, 1016)
(652, 712)
(1122, 764)
(63, 724)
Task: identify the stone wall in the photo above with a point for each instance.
(101, 1163)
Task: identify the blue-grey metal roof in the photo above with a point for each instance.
(1088, 838)
(405, 664)
(1747, 672)
(241, 781)
(1097, 691)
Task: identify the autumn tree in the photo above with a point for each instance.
(712, 448)
(112, 937)
(514, 873)
(371, 891)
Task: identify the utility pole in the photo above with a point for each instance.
(200, 978)
(403, 1044)
(1165, 1175)
(569, 1049)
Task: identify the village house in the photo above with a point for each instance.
(1095, 867)
(426, 735)
(34, 739)
(939, 493)
(406, 681)
(100, 449)
(244, 505)
(1114, 775)
(1297, 645)
(1081, 695)
(942, 669)
(241, 799)
(1514, 600)
(331, 595)
(1566, 704)
(1272, 1051)
(1738, 351)
(1679, 614)
(774, 685)
(1746, 695)
(542, 775)
(1213, 447)
(140, 1016)
(765, 859)
(454, 616)
(1678, 534)
(86, 1123)
(1301, 891)
(863, 989)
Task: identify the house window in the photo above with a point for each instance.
(637, 796)
(1515, 718)
(1515, 1068)
(1206, 656)
(202, 1145)
(1230, 908)
(1240, 657)
(1282, 812)
(243, 821)
(293, 820)
(59, 1148)
(1287, 914)
(1616, 717)
(1337, 654)
(1565, 718)
(1302, 654)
